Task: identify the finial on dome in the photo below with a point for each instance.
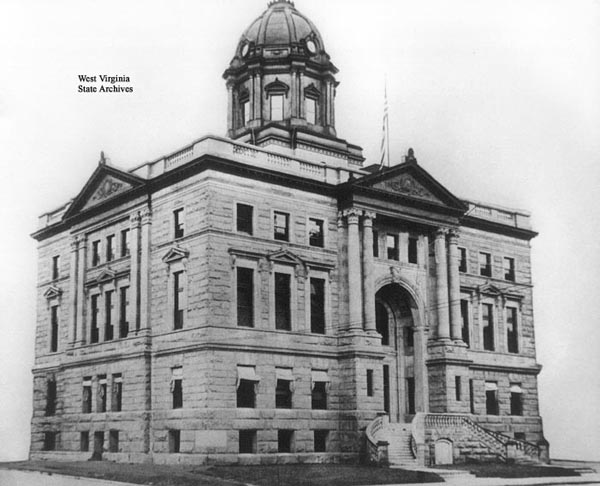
(274, 2)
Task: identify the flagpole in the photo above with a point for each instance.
(387, 123)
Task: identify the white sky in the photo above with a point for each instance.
(500, 100)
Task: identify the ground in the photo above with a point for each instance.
(492, 470)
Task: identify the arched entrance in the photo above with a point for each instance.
(399, 323)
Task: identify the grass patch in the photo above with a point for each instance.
(493, 470)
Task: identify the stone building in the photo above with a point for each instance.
(268, 297)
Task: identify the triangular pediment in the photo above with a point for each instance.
(489, 289)
(285, 256)
(175, 253)
(106, 275)
(106, 183)
(52, 292)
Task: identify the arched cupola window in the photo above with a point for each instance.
(276, 92)
(244, 99)
(311, 104)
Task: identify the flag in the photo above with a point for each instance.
(385, 136)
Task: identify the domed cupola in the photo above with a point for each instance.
(281, 82)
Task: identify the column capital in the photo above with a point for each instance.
(146, 216)
(368, 218)
(453, 234)
(135, 219)
(441, 232)
(352, 215)
(340, 219)
(74, 243)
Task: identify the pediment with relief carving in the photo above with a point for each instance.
(407, 184)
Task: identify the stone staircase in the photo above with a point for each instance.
(399, 436)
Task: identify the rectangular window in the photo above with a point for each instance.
(485, 264)
(413, 253)
(86, 400)
(491, 398)
(245, 297)
(246, 386)
(284, 440)
(113, 441)
(315, 232)
(50, 398)
(125, 243)
(471, 397)
(283, 318)
(509, 269)
(50, 441)
(110, 248)
(317, 305)
(94, 334)
(457, 388)
(283, 389)
(320, 440)
(247, 441)
(464, 316)
(311, 110)
(276, 107)
(410, 393)
(320, 382)
(376, 243)
(386, 388)
(246, 111)
(409, 338)
(516, 399)
(177, 386)
(84, 441)
(392, 247)
(281, 226)
(108, 311)
(101, 401)
(174, 441)
(117, 393)
(244, 223)
(98, 442)
(487, 316)
(512, 336)
(54, 329)
(95, 253)
(462, 263)
(369, 383)
(55, 260)
(178, 223)
(123, 312)
(178, 300)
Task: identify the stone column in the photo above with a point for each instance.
(441, 272)
(301, 107)
(73, 292)
(421, 388)
(145, 269)
(230, 108)
(354, 283)
(81, 265)
(454, 285)
(367, 264)
(134, 272)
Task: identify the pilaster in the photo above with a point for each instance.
(441, 272)
(134, 277)
(367, 264)
(73, 292)
(81, 265)
(145, 269)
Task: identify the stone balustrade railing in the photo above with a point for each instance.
(377, 447)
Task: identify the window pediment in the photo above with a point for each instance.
(175, 254)
(52, 292)
(107, 275)
(276, 87)
(494, 291)
(311, 91)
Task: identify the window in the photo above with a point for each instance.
(178, 300)
(86, 400)
(512, 336)
(464, 316)
(487, 316)
(179, 227)
(315, 232)
(113, 441)
(320, 382)
(276, 107)
(462, 263)
(177, 386)
(516, 399)
(50, 441)
(457, 388)
(317, 305)
(382, 323)
(54, 329)
(244, 218)
(471, 397)
(84, 441)
(246, 387)
(491, 398)
(284, 440)
(281, 226)
(245, 297)
(283, 390)
(410, 393)
(117, 392)
(320, 440)
(108, 311)
(55, 267)
(94, 335)
(283, 318)
(413, 253)
(247, 441)
(95, 253)
(110, 248)
(392, 247)
(310, 105)
(125, 243)
(101, 401)
(98, 443)
(246, 111)
(485, 264)
(509, 269)
(409, 337)
(376, 243)
(386, 388)
(369, 383)
(50, 398)
(123, 312)
(174, 441)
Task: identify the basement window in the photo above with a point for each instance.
(320, 440)
(174, 441)
(285, 440)
(177, 386)
(50, 441)
(84, 441)
(247, 441)
(113, 441)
